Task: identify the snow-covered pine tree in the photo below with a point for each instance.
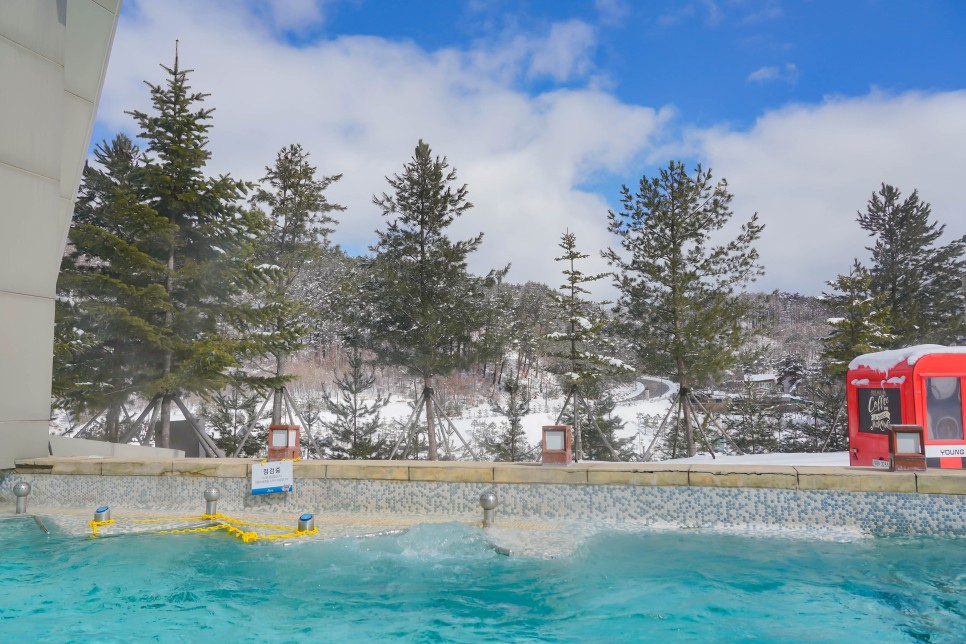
(679, 306)
(426, 306)
(355, 431)
(509, 442)
(298, 221)
(495, 338)
(791, 371)
(920, 280)
(754, 421)
(584, 352)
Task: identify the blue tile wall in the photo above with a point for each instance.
(870, 512)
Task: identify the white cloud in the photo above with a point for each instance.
(565, 51)
(787, 73)
(612, 12)
(360, 104)
(295, 15)
(807, 170)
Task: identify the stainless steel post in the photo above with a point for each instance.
(212, 495)
(21, 490)
(489, 502)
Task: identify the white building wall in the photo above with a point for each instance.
(53, 56)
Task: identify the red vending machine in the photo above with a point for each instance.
(921, 385)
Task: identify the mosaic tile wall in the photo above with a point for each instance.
(871, 512)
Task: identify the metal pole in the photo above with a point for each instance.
(406, 428)
(440, 411)
(207, 442)
(129, 433)
(646, 456)
(248, 430)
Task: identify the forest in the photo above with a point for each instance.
(223, 303)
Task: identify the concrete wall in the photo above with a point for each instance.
(53, 56)
(63, 446)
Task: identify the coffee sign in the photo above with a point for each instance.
(879, 409)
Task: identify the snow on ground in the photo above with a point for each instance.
(544, 412)
(818, 459)
(631, 404)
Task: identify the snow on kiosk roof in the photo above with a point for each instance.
(885, 361)
(919, 385)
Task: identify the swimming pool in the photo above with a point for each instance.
(444, 582)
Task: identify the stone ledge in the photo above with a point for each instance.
(530, 473)
(211, 467)
(649, 475)
(777, 477)
(855, 479)
(479, 474)
(845, 479)
(125, 467)
(945, 482)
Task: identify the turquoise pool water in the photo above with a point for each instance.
(445, 583)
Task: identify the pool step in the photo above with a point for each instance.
(13, 517)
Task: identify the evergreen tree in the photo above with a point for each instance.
(108, 288)
(792, 371)
(919, 279)
(426, 307)
(598, 427)
(509, 443)
(754, 421)
(354, 432)
(229, 412)
(826, 426)
(531, 321)
(495, 336)
(678, 306)
(298, 225)
(202, 327)
(863, 325)
(584, 351)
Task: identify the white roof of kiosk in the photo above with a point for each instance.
(885, 360)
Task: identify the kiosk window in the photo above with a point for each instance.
(879, 409)
(944, 409)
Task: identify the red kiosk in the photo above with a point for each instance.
(921, 385)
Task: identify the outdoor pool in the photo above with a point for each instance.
(445, 582)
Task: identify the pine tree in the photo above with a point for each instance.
(298, 221)
(425, 304)
(584, 351)
(495, 339)
(679, 306)
(863, 325)
(598, 427)
(229, 413)
(109, 295)
(919, 279)
(754, 421)
(791, 370)
(509, 443)
(355, 430)
(826, 427)
(203, 326)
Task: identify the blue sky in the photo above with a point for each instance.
(546, 108)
